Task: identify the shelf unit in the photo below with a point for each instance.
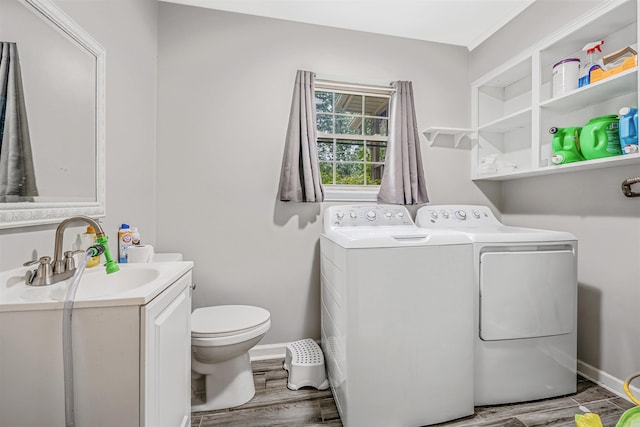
(513, 108)
(458, 134)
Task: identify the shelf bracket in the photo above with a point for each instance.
(434, 134)
(458, 137)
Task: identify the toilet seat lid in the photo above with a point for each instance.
(226, 319)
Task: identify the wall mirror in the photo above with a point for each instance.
(63, 84)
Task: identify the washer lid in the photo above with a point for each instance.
(224, 319)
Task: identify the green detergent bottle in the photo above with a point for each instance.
(565, 145)
(600, 138)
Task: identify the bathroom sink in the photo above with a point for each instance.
(134, 284)
(97, 284)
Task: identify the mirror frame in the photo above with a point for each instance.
(24, 214)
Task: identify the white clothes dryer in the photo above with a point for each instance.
(397, 325)
(525, 304)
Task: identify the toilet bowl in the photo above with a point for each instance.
(221, 337)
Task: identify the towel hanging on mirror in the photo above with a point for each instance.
(17, 175)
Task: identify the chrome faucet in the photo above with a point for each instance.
(58, 260)
(62, 268)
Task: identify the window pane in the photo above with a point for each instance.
(325, 123)
(374, 106)
(346, 103)
(325, 149)
(349, 151)
(350, 173)
(324, 102)
(349, 125)
(376, 151)
(375, 127)
(326, 172)
(374, 174)
(355, 161)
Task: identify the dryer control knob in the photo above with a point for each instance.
(400, 214)
(371, 215)
(353, 215)
(461, 215)
(445, 214)
(476, 214)
(340, 215)
(387, 215)
(434, 214)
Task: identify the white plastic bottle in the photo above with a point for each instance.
(124, 241)
(135, 237)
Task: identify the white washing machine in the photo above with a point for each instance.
(397, 324)
(525, 304)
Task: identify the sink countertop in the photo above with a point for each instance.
(134, 284)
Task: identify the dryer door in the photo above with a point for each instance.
(527, 294)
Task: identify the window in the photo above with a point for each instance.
(352, 123)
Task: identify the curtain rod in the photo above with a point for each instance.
(338, 82)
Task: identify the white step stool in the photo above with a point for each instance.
(305, 363)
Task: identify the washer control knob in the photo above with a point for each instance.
(434, 214)
(400, 214)
(444, 214)
(387, 215)
(340, 215)
(371, 215)
(462, 215)
(476, 214)
(353, 215)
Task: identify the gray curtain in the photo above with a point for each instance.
(17, 176)
(403, 180)
(300, 176)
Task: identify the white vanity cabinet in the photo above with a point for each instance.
(131, 351)
(513, 108)
(166, 357)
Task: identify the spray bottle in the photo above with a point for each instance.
(590, 64)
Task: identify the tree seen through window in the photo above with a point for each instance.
(352, 137)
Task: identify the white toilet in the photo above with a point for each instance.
(221, 337)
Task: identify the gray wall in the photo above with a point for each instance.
(128, 31)
(588, 204)
(224, 92)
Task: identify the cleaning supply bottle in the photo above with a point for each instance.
(600, 138)
(135, 237)
(629, 129)
(590, 64)
(565, 145)
(124, 241)
(89, 239)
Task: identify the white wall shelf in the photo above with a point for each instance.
(607, 162)
(513, 108)
(508, 123)
(604, 90)
(458, 134)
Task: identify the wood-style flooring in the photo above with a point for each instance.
(275, 405)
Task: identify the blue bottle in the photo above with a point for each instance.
(628, 129)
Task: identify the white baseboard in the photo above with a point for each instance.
(611, 383)
(268, 351)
